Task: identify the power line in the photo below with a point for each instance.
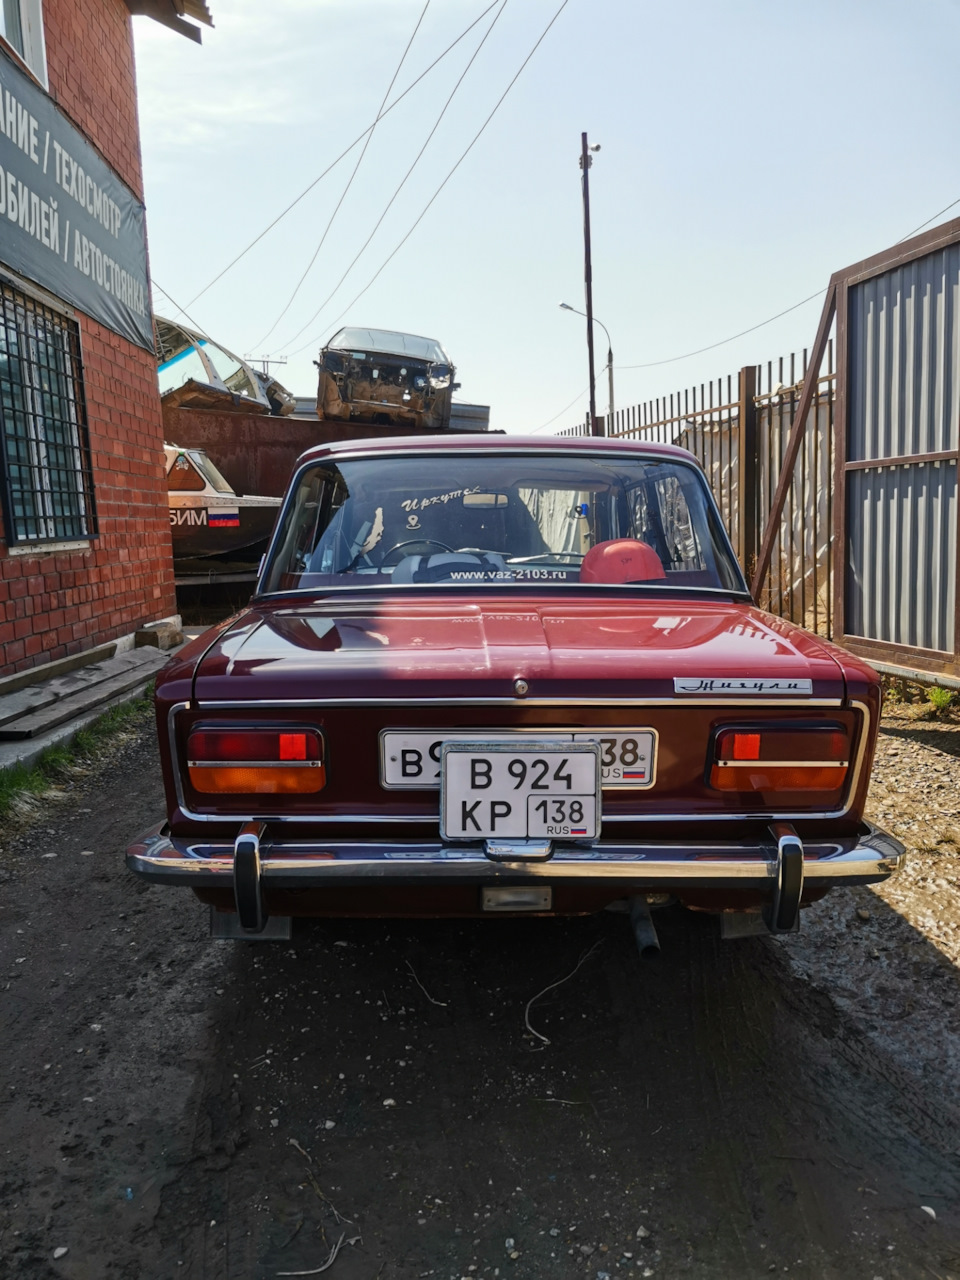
(343, 194)
(199, 327)
(463, 156)
(563, 410)
(403, 180)
(928, 221)
(346, 151)
(652, 364)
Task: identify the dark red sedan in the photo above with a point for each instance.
(498, 674)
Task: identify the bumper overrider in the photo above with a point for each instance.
(778, 864)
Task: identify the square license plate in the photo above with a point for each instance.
(515, 790)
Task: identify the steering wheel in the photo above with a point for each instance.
(412, 542)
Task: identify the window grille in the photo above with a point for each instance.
(47, 476)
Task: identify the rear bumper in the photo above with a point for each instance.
(869, 856)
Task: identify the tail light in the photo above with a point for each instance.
(780, 758)
(268, 761)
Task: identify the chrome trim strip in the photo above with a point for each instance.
(254, 764)
(527, 702)
(782, 764)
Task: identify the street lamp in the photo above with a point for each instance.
(565, 306)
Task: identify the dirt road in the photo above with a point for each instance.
(173, 1107)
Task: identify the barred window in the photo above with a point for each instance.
(47, 477)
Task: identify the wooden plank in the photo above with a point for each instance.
(810, 383)
(64, 709)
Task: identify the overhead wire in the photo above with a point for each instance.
(343, 154)
(928, 221)
(349, 183)
(564, 410)
(652, 364)
(403, 180)
(463, 156)
(199, 327)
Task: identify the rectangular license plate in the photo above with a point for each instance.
(626, 759)
(411, 759)
(516, 789)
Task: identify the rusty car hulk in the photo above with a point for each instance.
(509, 674)
(385, 377)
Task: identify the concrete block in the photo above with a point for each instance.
(161, 635)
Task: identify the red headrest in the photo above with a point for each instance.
(621, 560)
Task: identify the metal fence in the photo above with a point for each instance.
(737, 427)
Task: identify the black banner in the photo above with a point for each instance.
(66, 219)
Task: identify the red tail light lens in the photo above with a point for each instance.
(255, 761)
(781, 758)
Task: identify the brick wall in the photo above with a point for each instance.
(93, 80)
(58, 604)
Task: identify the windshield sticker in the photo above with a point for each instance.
(713, 684)
(421, 504)
(375, 534)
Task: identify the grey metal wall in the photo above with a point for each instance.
(904, 402)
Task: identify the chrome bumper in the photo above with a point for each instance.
(870, 856)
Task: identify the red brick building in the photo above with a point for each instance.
(85, 555)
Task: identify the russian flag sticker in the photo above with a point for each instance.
(223, 517)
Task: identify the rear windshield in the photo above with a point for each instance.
(501, 520)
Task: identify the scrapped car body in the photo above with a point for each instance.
(490, 675)
(381, 376)
(194, 372)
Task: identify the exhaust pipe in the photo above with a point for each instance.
(644, 930)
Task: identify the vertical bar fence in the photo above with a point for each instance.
(737, 427)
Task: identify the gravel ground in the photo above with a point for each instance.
(889, 955)
(176, 1107)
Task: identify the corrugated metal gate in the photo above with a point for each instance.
(903, 379)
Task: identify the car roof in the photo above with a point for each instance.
(494, 443)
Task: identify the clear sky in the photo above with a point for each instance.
(749, 149)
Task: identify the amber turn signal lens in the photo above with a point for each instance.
(772, 777)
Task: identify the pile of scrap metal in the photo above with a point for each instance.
(387, 378)
(196, 373)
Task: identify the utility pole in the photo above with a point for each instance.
(585, 162)
(265, 364)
